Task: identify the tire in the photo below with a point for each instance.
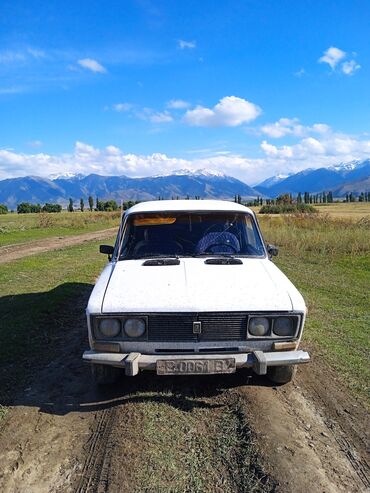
(281, 374)
(104, 374)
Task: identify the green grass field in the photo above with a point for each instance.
(21, 228)
(327, 260)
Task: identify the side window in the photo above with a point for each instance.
(251, 235)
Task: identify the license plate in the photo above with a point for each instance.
(195, 366)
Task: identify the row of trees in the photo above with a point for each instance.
(305, 198)
(93, 205)
(111, 205)
(26, 208)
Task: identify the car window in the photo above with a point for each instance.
(190, 234)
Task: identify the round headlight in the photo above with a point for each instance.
(283, 326)
(110, 327)
(134, 327)
(259, 326)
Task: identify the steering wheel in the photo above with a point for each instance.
(228, 245)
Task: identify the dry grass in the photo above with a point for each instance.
(21, 228)
(319, 234)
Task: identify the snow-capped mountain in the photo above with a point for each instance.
(190, 172)
(181, 183)
(66, 176)
(274, 180)
(204, 183)
(320, 179)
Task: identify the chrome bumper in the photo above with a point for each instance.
(257, 360)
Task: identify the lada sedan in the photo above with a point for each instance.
(190, 288)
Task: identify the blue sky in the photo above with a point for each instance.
(139, 87)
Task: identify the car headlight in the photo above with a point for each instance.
(109, 327)
(283, 326)
(259, 326)
(134, 327)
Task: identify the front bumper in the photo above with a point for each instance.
(259, 361)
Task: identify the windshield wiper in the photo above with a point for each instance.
(149, 256)
(210, 254)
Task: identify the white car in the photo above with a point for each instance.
(190, 288)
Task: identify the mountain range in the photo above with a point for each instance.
(340, 179)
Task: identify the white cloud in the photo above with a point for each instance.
(92, 65)
(34, 143)
(332, 56)
(11, 90)
(230, 111)
(182, 44)
(24, 55)
(324, 148)
(122, 107)
(160, 117)
(292, 127)
(349, 67)
(152, 116)
(327, 149)
(300, 72)
(177, 104)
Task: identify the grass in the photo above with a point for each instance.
(345, 210)
(40, 297)
(329, 262)
(21, 228)
(190, 441)
(340, 210)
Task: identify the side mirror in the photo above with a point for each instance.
(107, 250)
(272, 250)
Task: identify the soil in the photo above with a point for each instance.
(64, 435)
(9, 253)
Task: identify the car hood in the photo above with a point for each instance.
(193, 286)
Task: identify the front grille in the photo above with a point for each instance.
(215, 327)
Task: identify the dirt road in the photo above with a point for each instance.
(234, 433)
(9, 253)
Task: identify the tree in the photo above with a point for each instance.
(91, 203)
(51, 208)
(285, 198)
(299, 198)
(70, 205)
(110, 205)
(3, 209)
(26, 208)
(82, 205)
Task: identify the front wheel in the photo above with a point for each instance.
(104, 374)
(281, 374)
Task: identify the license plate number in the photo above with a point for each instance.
(196, 366)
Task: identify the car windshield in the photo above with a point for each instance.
(180, 234)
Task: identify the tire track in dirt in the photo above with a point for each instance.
(95, 472)
(9, 253)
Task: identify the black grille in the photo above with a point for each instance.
(215, 327)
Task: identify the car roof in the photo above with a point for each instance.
(188, 205)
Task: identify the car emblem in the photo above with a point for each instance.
(197, 327)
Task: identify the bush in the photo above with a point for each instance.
(52, 208)
(26, 208)
(286, 208)
(3, 209)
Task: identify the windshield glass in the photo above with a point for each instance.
(190, 234)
